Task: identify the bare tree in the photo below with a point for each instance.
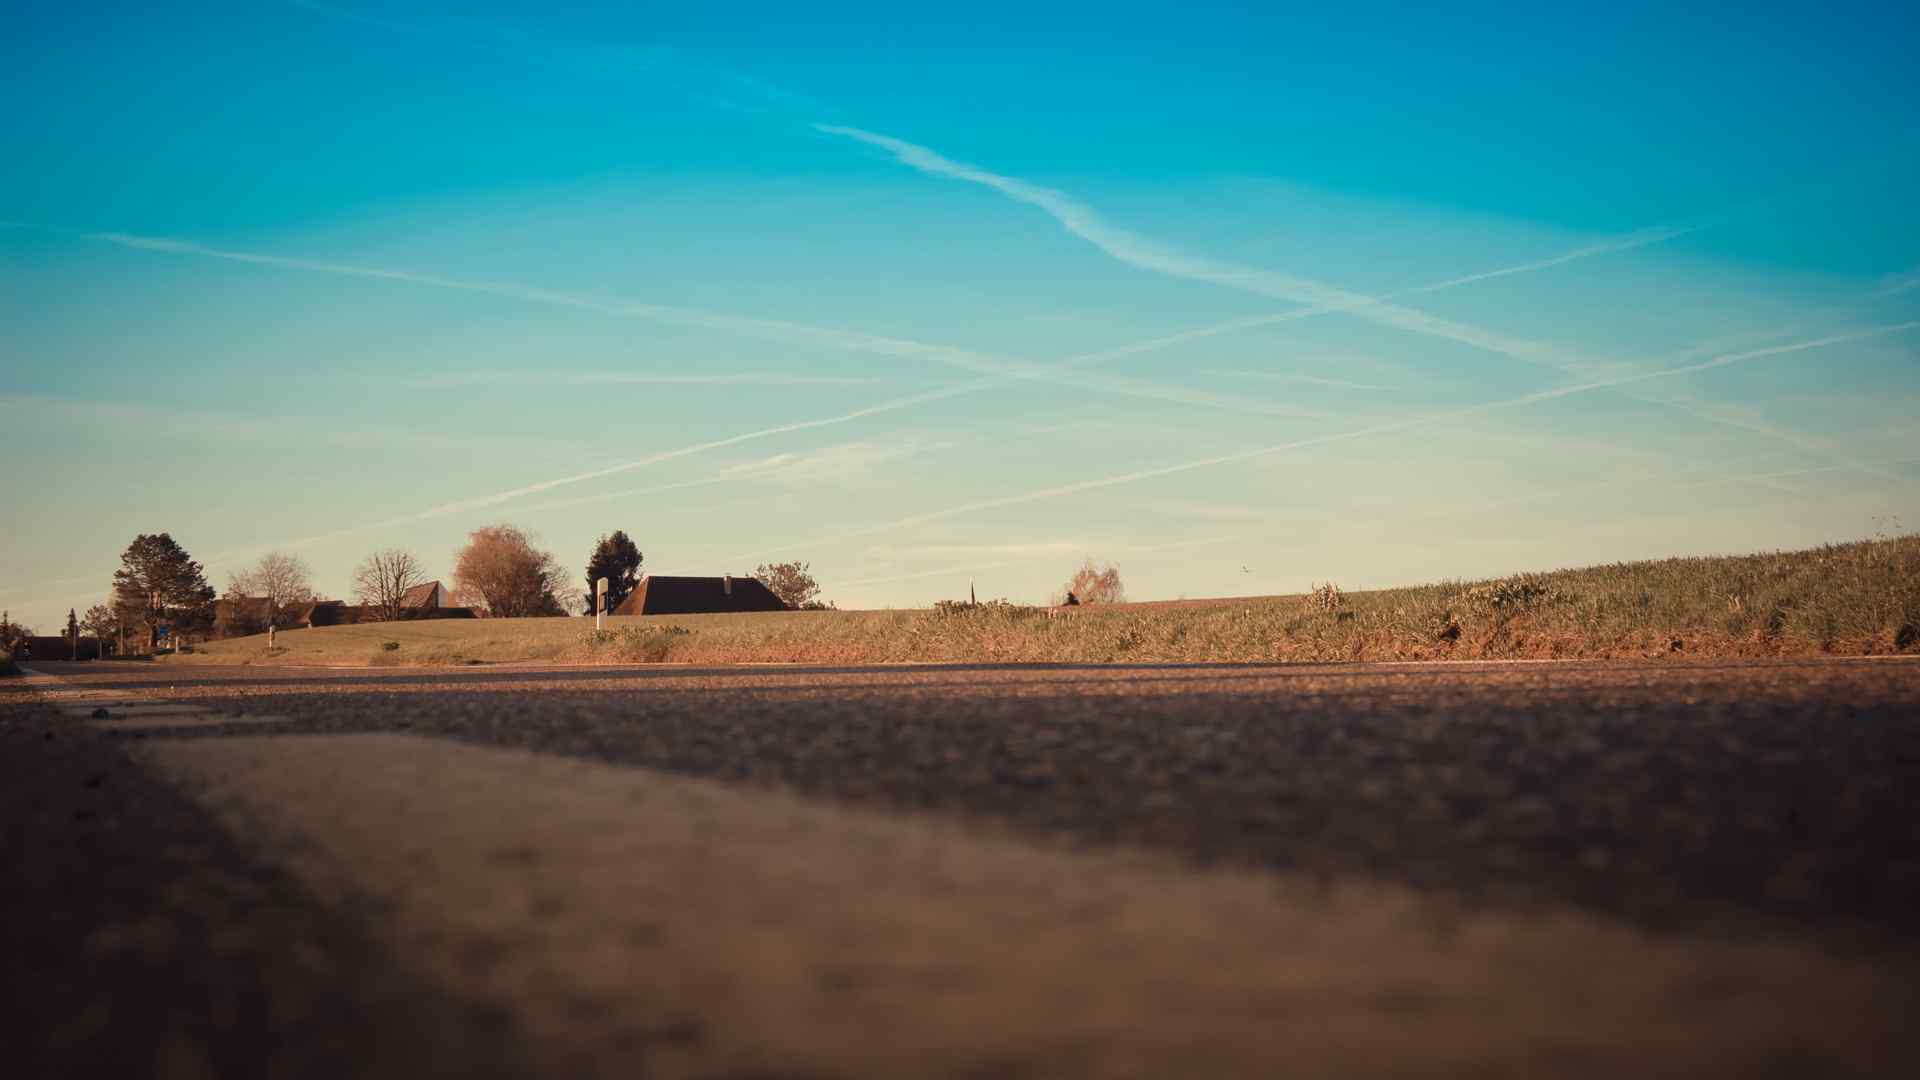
(1094, 584)
(501, 570)
(282, 579)
(792, 583)
(383, 579)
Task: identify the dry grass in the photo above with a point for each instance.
(1846, 599)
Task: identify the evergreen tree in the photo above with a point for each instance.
(618, 560)
(158, 584)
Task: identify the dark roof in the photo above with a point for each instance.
(420, 595)
(696, 595)
(302, 612)
(229, 608)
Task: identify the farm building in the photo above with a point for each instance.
(59, 648)
(237, 616)
(698, 595)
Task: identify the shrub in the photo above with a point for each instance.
(971, 607)
(636, 644)
(1511, 594)
(1326, 599)
(1094, 584)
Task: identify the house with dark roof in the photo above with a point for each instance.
(657, 595)
(424, 597)
(238, 616)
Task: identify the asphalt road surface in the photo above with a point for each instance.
(1567, 869)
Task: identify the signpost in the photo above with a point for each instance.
(600, 604)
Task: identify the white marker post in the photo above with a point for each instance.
(600, 604)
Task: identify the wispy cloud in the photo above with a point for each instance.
(1895, 284)
(840, 465)
(481, 501)
(1680, 476)
(1027, 554)
(1039, 549)
(998, 372)
(633, 378)
(1311, 380)
(1139, 475)
(1128, 247)
(1081, 220)
(1628, 242)
(697, 78)
(177, 424)
(1069, 372)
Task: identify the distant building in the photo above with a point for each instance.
(698, 595)
(58, 648)
(430, 596)
(238, 616)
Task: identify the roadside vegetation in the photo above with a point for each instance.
(1845, 599)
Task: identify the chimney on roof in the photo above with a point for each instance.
(726, 584)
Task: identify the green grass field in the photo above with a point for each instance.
(1847, 599)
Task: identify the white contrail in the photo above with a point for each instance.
(1312, 380)
(478, 502)
(1081, 220)
(1136, 476)
(605, 496)
(1000, 372)
(1898, 283)
(1627, 242)
(900, 348)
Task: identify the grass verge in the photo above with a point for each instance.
(1845, 599)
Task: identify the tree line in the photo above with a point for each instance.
(160, 589)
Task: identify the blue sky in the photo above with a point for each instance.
(1240, 301)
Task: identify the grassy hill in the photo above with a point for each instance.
(1847, 599)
